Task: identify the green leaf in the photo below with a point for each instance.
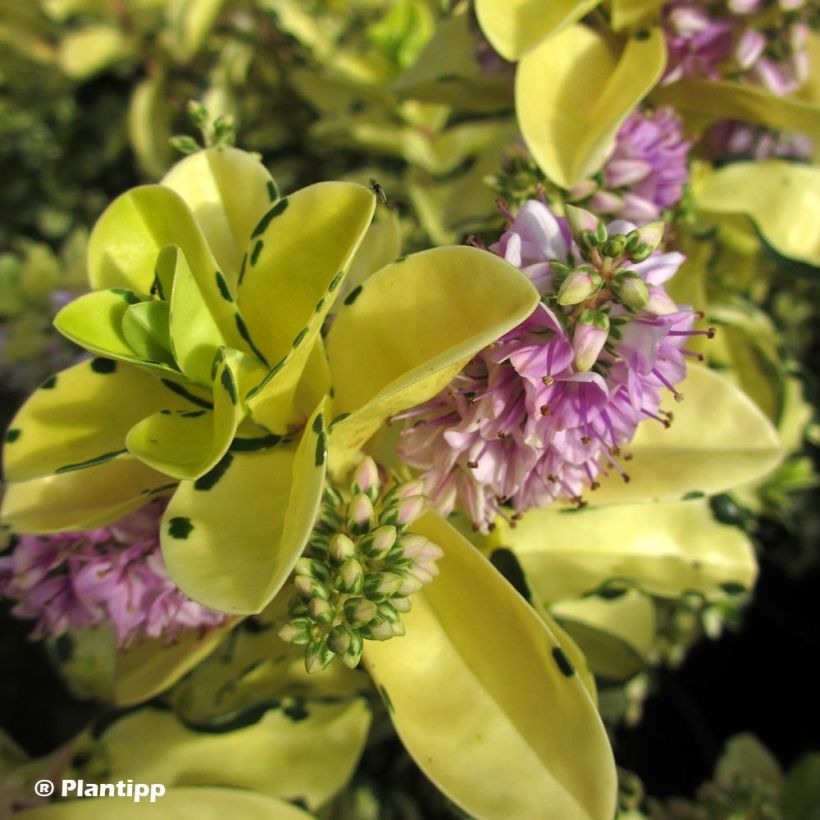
(187, 444)
(87, 51)
(189, 23)
(81, 415)
(412, 327)
(703, 101)
(228, 192)
(231, 538)
(783, 199)
(311, 758)
(574, 91)
(447, 72)
(719, 439)
(515, 27)
(149, 125)
(145, 329)
(666, 549)
(485, 700)
(97, 322)
(179, 803)
(81, 499)
(627, 14)
(800, 798)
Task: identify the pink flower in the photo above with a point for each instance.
(744, 40)
(114, 574)
(545, 410)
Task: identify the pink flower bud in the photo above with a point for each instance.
(588, 341)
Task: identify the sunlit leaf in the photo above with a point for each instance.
(231, 537)
(411, 328)
(783, 199)
(514, 27)
(719, 438)
(574, 91)
(667, 549)
(479, 672)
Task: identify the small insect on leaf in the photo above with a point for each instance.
(379, 191)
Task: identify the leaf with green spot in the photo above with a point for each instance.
(570, 141)
(249, 528)
(227, 192)
(79, 499)
(665, 549)
(527, 735)
(313, 758)
(85, 415)
(616, 635)
(305, 247)
(401, 341)
(187, 446)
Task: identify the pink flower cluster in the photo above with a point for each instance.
(114, 574)
(646, 171)
(544, 411)
(718, 40)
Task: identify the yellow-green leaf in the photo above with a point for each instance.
(81, 499)
(152, 666)
(149, 125)
(614, 633)
(627, 14)
(295, 256)
(80, 417)
(188, 443)
(574, 91)
(411, 328)
(514, 27)
(704, 101)
(228, 192)
(783, 199)
(189, 22)
(311, 758)
(87, 51)
(145, 329)
(480, 673)
(666, 549)
(180, 803)
(719, 439)
(231, 538)
(127, 238)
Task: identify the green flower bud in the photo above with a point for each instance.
(578, 287)
(615, 246)
(359, 611)
(382, 584)
(359, 514)
(350, 576)
(632, 290)
(339, 638)
(379, 542)
(378, 630)
(309, 587)
(317, 656)
(296, 631)
(341, 548)
(321, 611)
(580, 221)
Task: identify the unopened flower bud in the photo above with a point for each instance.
(311, 568)
(339, 638)
(410, 584)
(578, 286)
(366, 479)
(379, 542)
(350, 576)
(382, 584)
(651, 235)
(632, 290)
(615, 246)
(589, 338)
(580, 221)
(401, 604)
(341, 548)
(317, 656)
(309, 587)
(359, 611)
(409, 509)
(379, 630)
(360, 514)
(321, 610)
(296, 631)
